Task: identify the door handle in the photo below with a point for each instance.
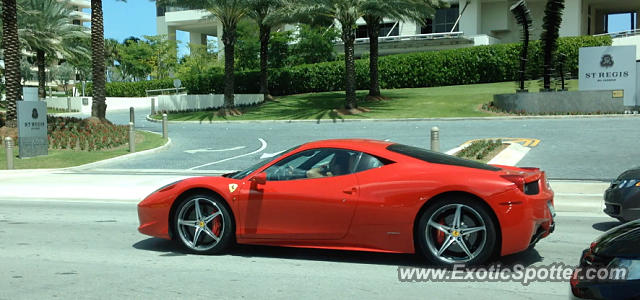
(350, 191)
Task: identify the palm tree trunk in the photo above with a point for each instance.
(229, 36)
(373, 30)
(265, 34)
(42, 77)
(99, 105)
(348, 37)
(11, 59)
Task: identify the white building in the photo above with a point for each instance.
(465, 23)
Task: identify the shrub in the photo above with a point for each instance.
(481, 64)
(75, 134)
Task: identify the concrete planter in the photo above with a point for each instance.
(584, 102)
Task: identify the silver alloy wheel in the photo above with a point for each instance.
(462, 230)
(200, 224)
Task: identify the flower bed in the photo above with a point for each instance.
(478, 150)
(78, 134)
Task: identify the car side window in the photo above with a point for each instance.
(315, 163)
(365, 162)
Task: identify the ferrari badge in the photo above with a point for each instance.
(232, 187)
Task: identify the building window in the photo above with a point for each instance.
(428, 27)
(385, 28)
(76, 22)
(445, 18)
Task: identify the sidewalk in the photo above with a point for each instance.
(571, 196)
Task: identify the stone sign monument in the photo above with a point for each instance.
(610, 68)
(32, 125)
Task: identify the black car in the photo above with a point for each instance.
(618, 248)
(622, 198)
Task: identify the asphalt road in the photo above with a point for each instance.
(91, 249)
(570, 148)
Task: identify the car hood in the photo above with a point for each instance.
(630, 174)
(621, 241)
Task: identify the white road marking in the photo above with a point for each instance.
(214, 150)
(262, 147)
(269, 155)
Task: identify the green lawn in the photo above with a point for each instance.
(448, 101)
(71, 158)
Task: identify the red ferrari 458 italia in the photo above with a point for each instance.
(359, 195)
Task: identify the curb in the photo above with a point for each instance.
(93, 164)
(121, 157)
(549, 117)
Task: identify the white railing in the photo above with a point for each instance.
(415, 37)
(625, 33)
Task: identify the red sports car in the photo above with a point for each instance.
(359, 195)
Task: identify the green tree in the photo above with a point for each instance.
(11, 47)
(264, 13)
(63, 74)
(279, 49)
(201, 60)
(314, 45)
(164, 55)
(25, 70)
(247, 47)
(46, 29)
(135, 58)
(228, 13)
(346, 13)
(375, 12)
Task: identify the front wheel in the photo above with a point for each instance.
(456, 231)
(203, 224)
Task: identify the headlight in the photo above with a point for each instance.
(632, 266)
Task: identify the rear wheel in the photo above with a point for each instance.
(456, 231)
(203, 224)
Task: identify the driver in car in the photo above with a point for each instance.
(338, 165)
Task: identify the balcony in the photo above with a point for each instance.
(78, 3)
(80, 15)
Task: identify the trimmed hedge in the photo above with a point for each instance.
(481, 64)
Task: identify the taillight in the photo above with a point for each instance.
(517, 179)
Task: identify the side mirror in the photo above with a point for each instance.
(261, 178)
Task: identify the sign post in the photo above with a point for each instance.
(32, 125)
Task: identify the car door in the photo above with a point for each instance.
(290, 206)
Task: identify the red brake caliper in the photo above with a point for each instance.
(440, 235)
(216, 225)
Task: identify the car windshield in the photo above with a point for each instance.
(258, 165)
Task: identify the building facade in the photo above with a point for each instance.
(464, 23)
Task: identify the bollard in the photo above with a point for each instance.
(165, 130)
(153, 106)
(132, 116)
(435, 139)
(132, 138)
(8, 146)
(68, 104)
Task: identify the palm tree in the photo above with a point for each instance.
(11, 48)
(263, 12)
(45, 28)
(99, 100)
(401, 10)
(229, 13)
(345, 13)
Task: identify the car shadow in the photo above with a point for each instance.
(525, 258)
(604, 226)
(170, 248)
